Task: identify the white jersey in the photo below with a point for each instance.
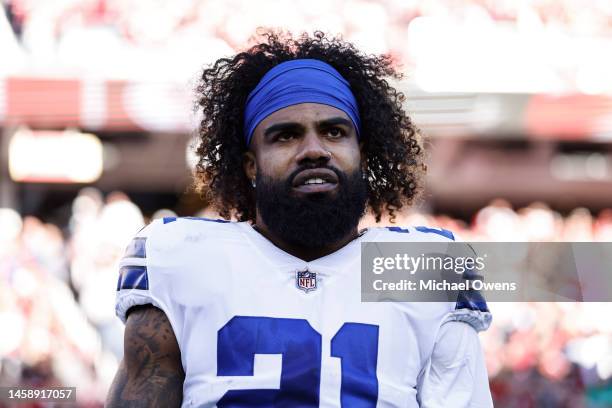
(257, 326)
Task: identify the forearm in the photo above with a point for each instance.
(153, 389)
(151, 374)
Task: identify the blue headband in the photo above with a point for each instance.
(294, 82)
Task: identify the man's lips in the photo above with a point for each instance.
(317, 180)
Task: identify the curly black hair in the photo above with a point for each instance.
(393, 155)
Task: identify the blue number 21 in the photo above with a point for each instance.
(356, 344)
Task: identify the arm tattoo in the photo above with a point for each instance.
(151, 373)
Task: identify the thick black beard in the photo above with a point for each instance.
(317, 220)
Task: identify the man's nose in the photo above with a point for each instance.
(313, 149)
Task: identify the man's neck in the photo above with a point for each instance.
(305, 253)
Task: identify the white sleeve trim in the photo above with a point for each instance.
(479, 320)
(132, 262)
(132, 298)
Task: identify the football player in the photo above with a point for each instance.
(299, 138)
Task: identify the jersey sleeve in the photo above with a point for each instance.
(470, 306)
(135, 285)
(456, 374)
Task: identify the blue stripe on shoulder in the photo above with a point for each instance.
(478, 306)
(133, 277)
(398, 229)
(472, 300)
(208, 219)
(136, 248)
(439, 231)
(168, 220)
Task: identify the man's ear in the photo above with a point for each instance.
(249, 164)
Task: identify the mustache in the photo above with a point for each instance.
(342, 177)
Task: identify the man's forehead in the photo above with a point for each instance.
(303, 112)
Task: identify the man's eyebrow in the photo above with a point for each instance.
(283, 126)
(298, 127)
(334, 122)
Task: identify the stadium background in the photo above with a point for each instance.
(96, 120)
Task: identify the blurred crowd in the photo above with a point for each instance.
(58, 327)
(154, 36)
(56, 310)
(499, 222)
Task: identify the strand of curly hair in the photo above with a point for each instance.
(394, 157)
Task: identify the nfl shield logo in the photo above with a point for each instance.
(306, 280)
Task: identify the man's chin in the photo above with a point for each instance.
(315, 198)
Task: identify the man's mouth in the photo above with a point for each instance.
(318, 180)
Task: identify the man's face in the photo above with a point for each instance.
(307, 163)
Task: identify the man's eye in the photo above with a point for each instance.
(285, 136)
(335, 132)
